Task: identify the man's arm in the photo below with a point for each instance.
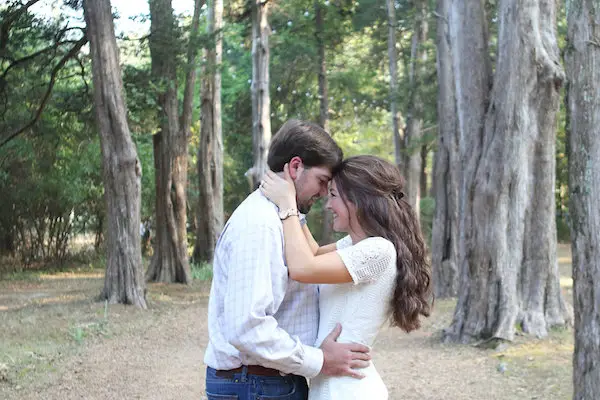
(256, 264)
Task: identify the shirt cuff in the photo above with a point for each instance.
(313, 362)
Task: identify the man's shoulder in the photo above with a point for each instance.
(255, 211)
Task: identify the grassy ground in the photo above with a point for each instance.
(58, 342)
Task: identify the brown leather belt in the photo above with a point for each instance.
(252, 370)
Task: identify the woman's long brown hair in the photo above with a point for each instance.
(375, 186)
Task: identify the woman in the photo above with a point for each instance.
(376, 272)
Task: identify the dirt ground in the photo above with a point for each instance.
(56, 342)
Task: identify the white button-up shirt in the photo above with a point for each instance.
(256, 314)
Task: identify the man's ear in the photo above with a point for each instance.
(296, 167)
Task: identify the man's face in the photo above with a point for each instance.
(311, 183)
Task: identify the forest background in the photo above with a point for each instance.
(140, 141)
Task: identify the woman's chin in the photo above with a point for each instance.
(339, 229)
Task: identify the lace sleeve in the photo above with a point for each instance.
(367, 260)
(344, 242)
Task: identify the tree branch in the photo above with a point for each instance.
(72, 53)
(8, 21)
(87, 87)
(25, 59)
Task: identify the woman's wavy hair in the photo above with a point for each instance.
(375, 186)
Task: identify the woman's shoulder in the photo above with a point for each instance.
(374, 246)
(369, 259)
(378, 242)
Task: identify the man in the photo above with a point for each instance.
(261, 323)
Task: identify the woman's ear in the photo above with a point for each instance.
(296, 167)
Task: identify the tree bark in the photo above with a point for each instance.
(414, 123)
(509, 274)
(583, 71)
(423, 173)
(123, 282)
(261, 100)
(7, 240)
(327, 217)
(170, 261)
(393, 61)
(210, 153)
(446, 180)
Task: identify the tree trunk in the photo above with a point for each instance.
(123, 282)
(446, 179)
(170, 261)
(210, 153)
(327, 217)
(7, 241)
(99, 231)
(509, 274)
(414, 124)
(583, 61)
(433, 177)
(393, 59)
(423, 172)
(261, 100)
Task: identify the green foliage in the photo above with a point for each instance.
(78, 334)
(81, 332)
(53, 187)
(97, 328)
(201, 272)
(51, 176)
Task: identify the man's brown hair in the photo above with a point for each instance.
(306, 140)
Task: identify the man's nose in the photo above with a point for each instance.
(323, 191)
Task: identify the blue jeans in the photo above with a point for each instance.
(243, 386)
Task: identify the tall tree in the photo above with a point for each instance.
(414, 123)
(393, 64)
(423, 172)
(447, 167)
(210, 153)
(326, 236)
(170, 260)
(583, 71)
(261, 100)
(124, 281)
(509, 272)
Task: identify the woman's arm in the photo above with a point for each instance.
(328, 248)
(305, 260)
(303, 265)
(314, 246)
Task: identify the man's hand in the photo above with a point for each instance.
(341, 359)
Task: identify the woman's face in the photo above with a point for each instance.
(341, 214)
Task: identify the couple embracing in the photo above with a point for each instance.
(282, 308)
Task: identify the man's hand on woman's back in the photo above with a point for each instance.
(343, 359)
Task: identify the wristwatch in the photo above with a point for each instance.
(290, 212)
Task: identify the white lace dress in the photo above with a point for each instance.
(362, 307)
